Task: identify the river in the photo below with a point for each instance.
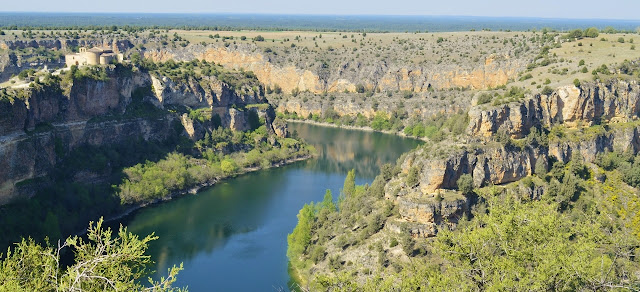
(233, 236)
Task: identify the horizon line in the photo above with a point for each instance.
(311, 14)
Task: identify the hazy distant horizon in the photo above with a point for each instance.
(566, 9)
(371, 23)
(307, 14)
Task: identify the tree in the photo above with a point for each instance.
(259, 38)
(528, 246)
(277, 89)
(591, 32)
(136, 58)
(484, 98)
(380, 122)
(576, 82)
(465, 184)
(541, 167)
(229, 166)
(102, 262)
(327, 202)
(412, 176)
(387, 171)
(254, 120)
(575, 34)
(300, 238)
(349, 187)
(24, 74)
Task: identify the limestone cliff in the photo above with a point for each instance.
(488, 165)
(39, 130)
(422, 217)
(592, 103)
(570, 107)
(377, 76)
(488, 162)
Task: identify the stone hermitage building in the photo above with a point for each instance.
(93, 56)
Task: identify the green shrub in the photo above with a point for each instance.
(393, 242)
(465, 184)
(546, 91)
(413, 176)
(484, 98)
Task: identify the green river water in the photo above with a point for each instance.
(233, 236)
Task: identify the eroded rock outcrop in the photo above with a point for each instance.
(487, 165)
(592, 103)
(422, 217)
(207, 92)
(490, 162)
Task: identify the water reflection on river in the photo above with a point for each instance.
(233, 236)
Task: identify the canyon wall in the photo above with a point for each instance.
(377, 76)
(38, 131)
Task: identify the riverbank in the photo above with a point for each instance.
(366, 129)
(200, 186)
(238, 229)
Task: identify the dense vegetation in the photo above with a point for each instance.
(101, 262)
(65, 201)
(63, 204)
(581, 233)
(439, 126)
(241, 80)
(156, 180)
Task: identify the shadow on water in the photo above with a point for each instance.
(233, 236)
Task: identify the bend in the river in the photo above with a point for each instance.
(233, 236)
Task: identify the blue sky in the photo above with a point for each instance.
(610, 9)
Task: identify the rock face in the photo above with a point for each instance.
(592, 103)
(422, 218)
(86, 99)
(493, 163)
(569, 106)
(209, 92)
(588, 147)
(488, 165)
(38, 131)
(431, 202)
(380, 76)
(281, 129)
(25, 156)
